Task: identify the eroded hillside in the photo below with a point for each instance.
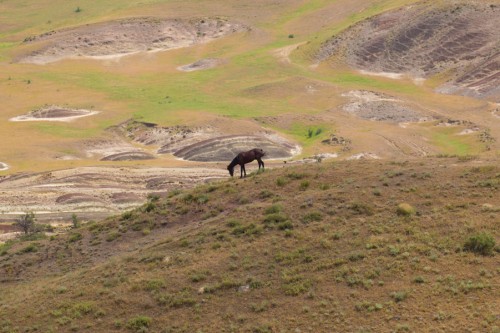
(459, 39)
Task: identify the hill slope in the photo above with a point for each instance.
(321, 248)
(431, 37)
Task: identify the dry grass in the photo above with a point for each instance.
(255, 256)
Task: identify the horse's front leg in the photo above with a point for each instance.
(244, 170)
(261, 163)
(242, 167)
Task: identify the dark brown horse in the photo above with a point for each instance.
(244, 158)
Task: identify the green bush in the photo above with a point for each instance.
(312, 217)
(139, 323)
(273, 209)
(482, 243)
(75, 237)
(30, 248)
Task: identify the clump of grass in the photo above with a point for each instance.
(112, 236)
(280, 181)
(312, 217)
(304, 185)
(399, 296)
(405, 209)
(139, 323)
(361, 208)
(481, 243)
(30, 248)
(75, 237)
(274, 209)
(265, 194)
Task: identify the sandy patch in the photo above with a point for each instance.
(360, 156)
(114, 39)
(468, 131)
(283, 53)
(55, 113)
(8, 236)
(379, 107)
(201, 65)
(496, 113)
(3, 166)
(129, 156)
(395, 76)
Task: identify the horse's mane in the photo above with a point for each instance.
(234, 162)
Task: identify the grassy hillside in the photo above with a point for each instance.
(359, 246)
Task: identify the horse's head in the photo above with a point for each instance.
(260, 152)
(230, 169)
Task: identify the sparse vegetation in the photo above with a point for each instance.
(302, 247)
(481, 243)
(26, 222)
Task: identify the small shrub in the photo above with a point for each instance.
(273, 209)
(304, 185)
(112, 236)
(296, 175)
(127, 215)
(78, 10)
(361, 208)
(149, 207)
(74, 221)
(139, 323)
(312, 217)
(419, 279)
(233, 223)
(405, 209)
(275, 218)
(75, 237)
(280, 181)
(481, 243)
(153, 285)
(30, 248)
(399, 296)
(265, 194)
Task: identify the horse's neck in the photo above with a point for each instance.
(234, 162)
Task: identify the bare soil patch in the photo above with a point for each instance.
(54, 113)
(201, 65)
(225, 148)
(283, 53)
(424, 39)
(379, 107)
(115, 148)
(127, 36)
(205, 143)
(88, 191)
(129, 156)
